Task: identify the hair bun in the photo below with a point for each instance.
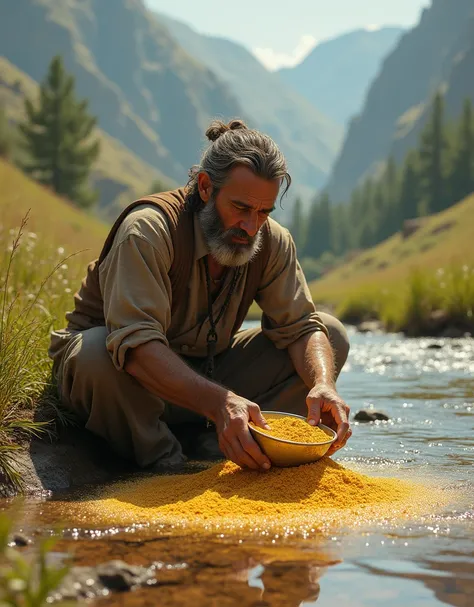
(217, 128)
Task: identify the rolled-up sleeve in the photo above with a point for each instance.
(136, 291)
(284, 296)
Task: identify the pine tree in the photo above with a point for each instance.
(462, 174)
(367, 217)
(297, 227)
(410, 187)
(389, 221)
(340, 233)
(57, 136)
(433, 159)
(325, 217)
(311, 248)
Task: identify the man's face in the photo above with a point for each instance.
(231, 221)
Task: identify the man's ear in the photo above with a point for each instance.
(204, 186)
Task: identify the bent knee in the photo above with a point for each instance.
(89, 353)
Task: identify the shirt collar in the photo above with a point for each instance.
(200, 245)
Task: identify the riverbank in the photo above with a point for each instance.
(419, 282)
(429, 394)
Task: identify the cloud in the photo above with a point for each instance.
(372, 27)
(273, 60)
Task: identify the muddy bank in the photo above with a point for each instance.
(435, 327)
(74, 459)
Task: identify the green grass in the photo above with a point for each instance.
(43, 255)
(403, 281)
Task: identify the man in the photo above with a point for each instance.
(153, 345)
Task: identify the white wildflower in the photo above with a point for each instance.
(64, 266)
(67, 290)
(61, 250)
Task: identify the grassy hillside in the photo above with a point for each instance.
(39, 272)
(381, 280)
(118, 172)
(56, 222)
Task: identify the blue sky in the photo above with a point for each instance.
(283, 35)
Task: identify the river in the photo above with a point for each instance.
(426, 386)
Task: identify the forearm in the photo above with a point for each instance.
(158, 369)
(313, 359)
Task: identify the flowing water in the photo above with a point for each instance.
(426, 386)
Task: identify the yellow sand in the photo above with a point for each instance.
(319, 495)
(295, 429)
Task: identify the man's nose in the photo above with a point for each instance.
(250, 224)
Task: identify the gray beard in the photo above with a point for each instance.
(219, 240)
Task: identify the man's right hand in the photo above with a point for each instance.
(235, 440)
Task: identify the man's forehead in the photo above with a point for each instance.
(245, 186)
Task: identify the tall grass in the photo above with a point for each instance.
(418, 306)
(34, 292)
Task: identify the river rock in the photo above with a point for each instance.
(20, 540)
(117, 575)
(370, 415)
(454, 331)
(94, 582)
(370, 326)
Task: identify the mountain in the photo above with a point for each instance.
(145, 89)
(308, 138)
(117, 172)
(438, 54)
(336, 74)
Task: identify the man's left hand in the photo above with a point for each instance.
(326, 406)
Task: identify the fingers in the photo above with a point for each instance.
(314, 412)
(340, 413)
(257, 418)
(243, 459)
(341, 416)
(251, 447)
(241, 448)
(336, 446)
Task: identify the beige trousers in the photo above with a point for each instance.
(136, 424)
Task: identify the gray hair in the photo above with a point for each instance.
(235, 144)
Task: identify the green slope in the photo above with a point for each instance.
(55, 221)
(444, 240)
